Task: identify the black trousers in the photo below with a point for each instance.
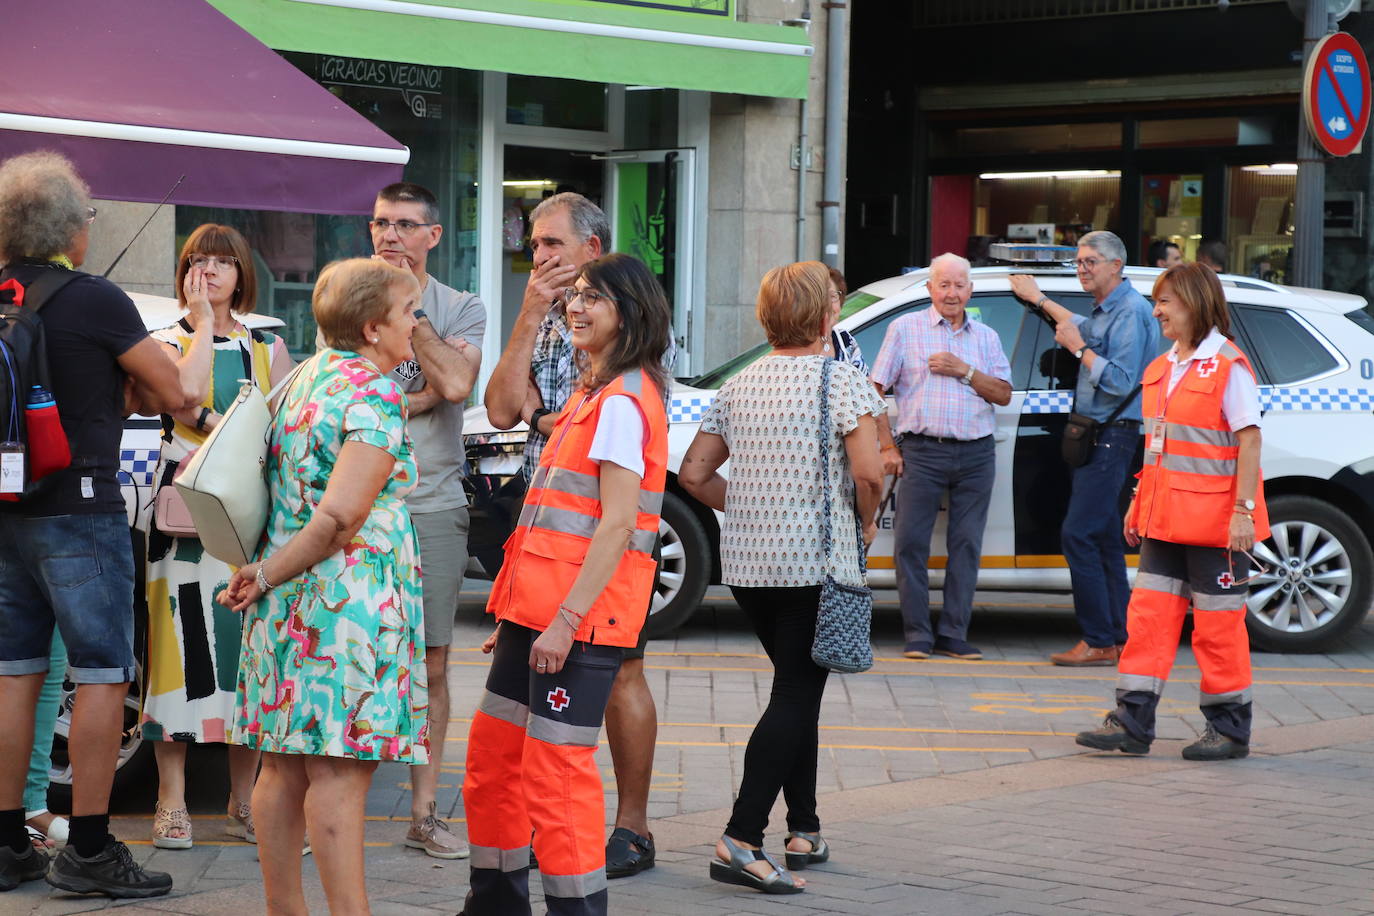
(782, 750)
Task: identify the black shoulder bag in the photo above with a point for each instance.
(1080, 433)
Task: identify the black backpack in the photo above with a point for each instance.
(24, 356)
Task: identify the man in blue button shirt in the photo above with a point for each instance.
(1114, 345)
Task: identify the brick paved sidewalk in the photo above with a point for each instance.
(946, 787)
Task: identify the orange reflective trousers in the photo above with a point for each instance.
(531, 766)
(1169, 579)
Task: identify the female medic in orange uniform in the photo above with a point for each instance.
(1198, 509)
(572, 592)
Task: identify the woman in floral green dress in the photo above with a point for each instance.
(332, 675)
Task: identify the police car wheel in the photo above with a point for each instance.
(135, 755)
(1318, 585)
(685, 570)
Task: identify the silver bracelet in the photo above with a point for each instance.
(260, 578)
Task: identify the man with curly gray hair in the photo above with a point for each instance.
(65, 549)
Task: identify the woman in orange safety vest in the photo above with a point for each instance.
(572, 593)
(1197, 511)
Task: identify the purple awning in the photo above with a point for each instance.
(136, 94)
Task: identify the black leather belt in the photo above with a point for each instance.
(943, 440)
(1130, 424)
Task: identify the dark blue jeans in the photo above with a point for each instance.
(1092, 542)
(965, 471)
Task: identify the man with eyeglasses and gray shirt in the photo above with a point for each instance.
(405, 228)
(1113, 345)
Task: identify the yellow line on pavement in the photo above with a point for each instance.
(878, 728)
(228, 843)
(969, 669)
(864, 747)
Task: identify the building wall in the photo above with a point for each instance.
(150, 264)
(752, 221)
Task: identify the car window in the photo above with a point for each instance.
(1048, 366)
(1284, 349)
(1000, 311)
(714, 378)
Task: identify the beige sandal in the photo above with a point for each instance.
(169, 821)
(240, 822)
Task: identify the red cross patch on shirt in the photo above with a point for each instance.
(1207, 367)
(1226, 580)
(558, 699)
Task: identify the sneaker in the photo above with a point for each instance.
(18, 867)
(112, 872)
(917, 650)
(1215, 746)
(434, 836)
(1112, 736)
(956, 648)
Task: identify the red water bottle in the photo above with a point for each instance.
(47, 441)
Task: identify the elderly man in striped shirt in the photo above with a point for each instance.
(947, 371)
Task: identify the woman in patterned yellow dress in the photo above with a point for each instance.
(332, 675)
(193, 642)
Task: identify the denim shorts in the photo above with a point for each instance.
(75, 571)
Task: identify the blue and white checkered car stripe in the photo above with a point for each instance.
(1273, 399)
(137, 465)
(689, 409)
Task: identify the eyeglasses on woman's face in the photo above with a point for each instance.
(90, 215)
(590, 297)
(216, 261)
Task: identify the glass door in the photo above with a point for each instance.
(653, 219)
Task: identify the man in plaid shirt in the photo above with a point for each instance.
(532, 381)
(947, 371)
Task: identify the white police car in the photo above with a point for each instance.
(139, 448)
(1313, 351)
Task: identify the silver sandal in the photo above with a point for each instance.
(819, 851)
(735, 872)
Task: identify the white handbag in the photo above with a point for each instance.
(225, 483)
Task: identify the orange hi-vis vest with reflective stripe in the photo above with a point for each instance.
(562, 509)
(1187, 492)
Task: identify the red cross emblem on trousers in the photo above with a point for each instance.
(558, 698)
(1207, 367)
(1226, 580)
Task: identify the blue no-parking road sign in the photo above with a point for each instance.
(1336, 94)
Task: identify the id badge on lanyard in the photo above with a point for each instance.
(1154, 437)
(1155, 428)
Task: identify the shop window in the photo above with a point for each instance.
(1027, 138)
(650, 118)
(1285, 351)
(1171, 210)
(1232, 131)
(1045, 207)
(543, 101)
(1259, 220)
(434, 112)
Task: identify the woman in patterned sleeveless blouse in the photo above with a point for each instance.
(765, 422)
(193, 642)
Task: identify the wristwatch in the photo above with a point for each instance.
(1247, 504)
(539, 414)
(967, 377)
(419, 313)
(1078, 354)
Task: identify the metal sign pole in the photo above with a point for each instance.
(1311, 191)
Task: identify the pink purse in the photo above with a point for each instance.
(170, 512)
